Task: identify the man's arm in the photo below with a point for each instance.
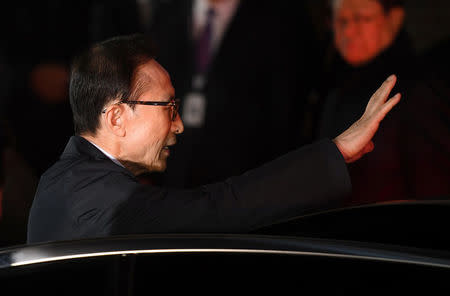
(357, 139)
(309, 179)
(312, 178)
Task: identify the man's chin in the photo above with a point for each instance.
(158, 167)
(356, 59)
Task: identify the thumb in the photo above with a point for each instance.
(369, 147)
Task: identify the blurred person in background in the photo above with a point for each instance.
(437, 61)
(241, 76)
(368, 42)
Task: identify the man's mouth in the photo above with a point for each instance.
(167, 148)
(171, 142)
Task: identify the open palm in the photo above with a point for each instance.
(356, 141)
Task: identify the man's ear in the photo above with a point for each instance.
(114, 120)
(396, 17)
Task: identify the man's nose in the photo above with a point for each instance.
(177, 125)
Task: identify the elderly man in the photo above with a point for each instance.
(126, 121)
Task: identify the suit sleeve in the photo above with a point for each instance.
(309, 179)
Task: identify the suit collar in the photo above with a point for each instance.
(80, 146)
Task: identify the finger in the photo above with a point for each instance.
(383, 92)
(387, 87)
(389, 105)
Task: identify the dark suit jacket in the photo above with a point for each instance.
(254, 89)
(86, 195)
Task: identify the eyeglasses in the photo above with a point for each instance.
(174, 105)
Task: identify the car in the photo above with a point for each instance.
(365, 249)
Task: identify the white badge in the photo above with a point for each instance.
(194, 109)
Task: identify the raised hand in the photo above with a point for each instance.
(356, 141)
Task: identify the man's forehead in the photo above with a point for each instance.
(152, 78)
(355, 5)
(152, 68)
